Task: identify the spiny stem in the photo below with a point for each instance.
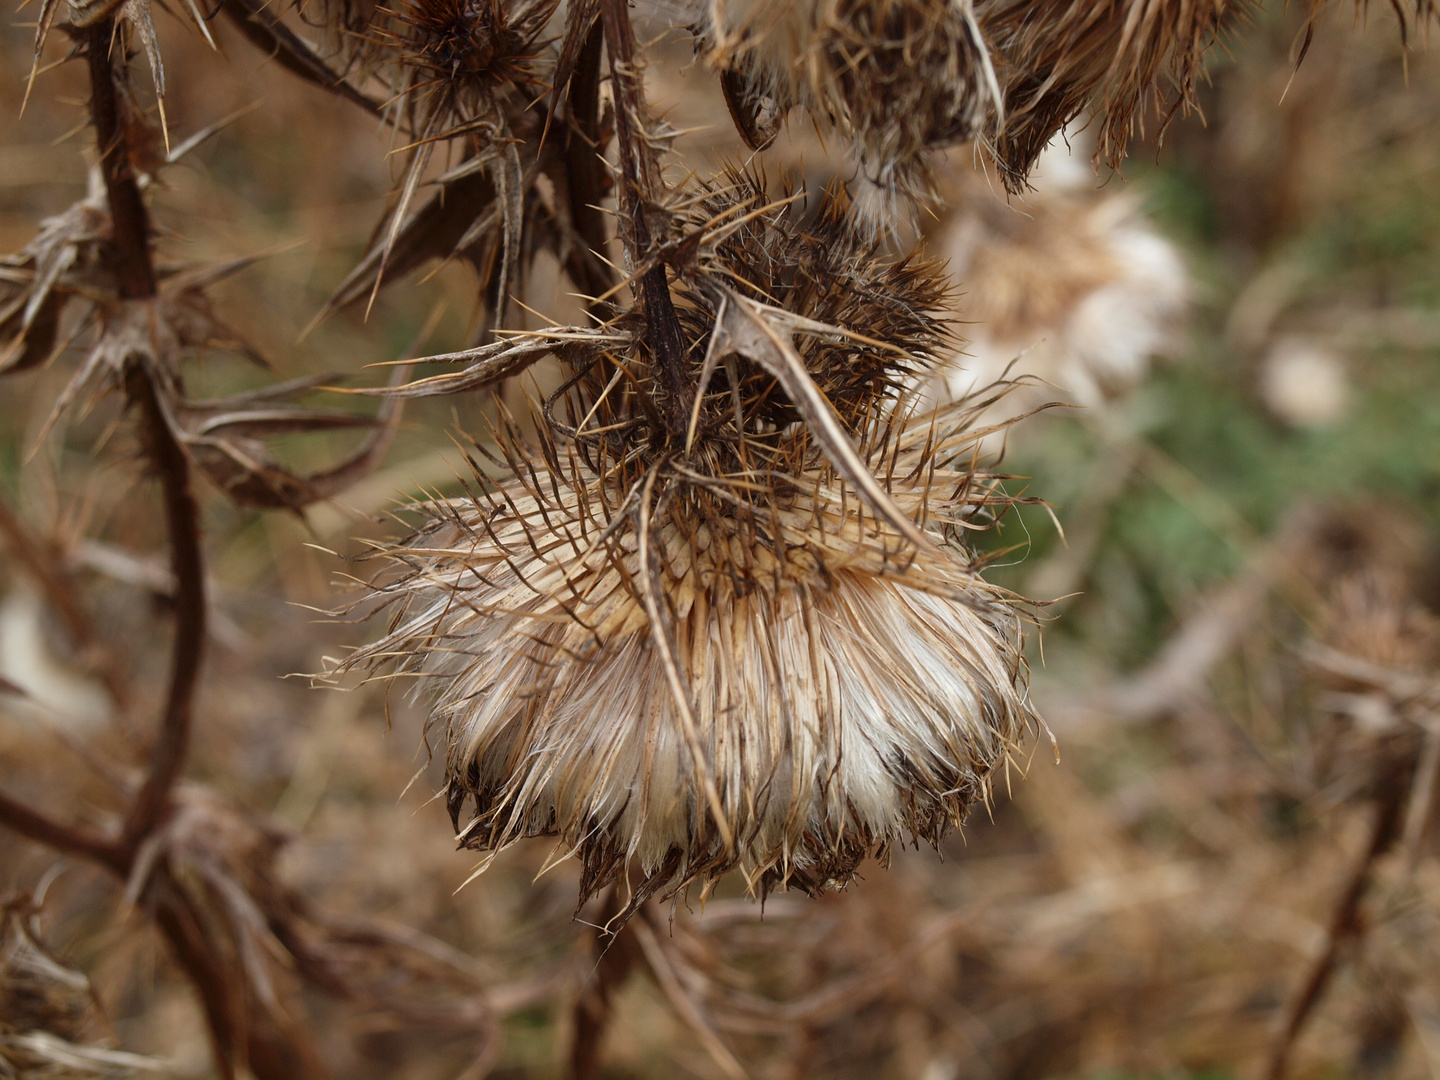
(134, 271)
(640, 189)
(135, 281)
(585, 171)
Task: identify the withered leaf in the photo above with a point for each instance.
(262, 27)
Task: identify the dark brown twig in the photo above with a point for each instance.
(641, 188)
(1346, 922)
(69, 839)
(262, 27)
(614, 957)
(130, 247)
(135, 281)
(182, 520)
(585, 173)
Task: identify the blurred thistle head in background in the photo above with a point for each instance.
(1069, 284)
(726, 653)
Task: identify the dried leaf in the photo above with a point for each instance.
(435, 231)
(262, 27)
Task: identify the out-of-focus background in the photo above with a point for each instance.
(1232, 869)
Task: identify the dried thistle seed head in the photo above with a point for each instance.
(686, 660)
(896, 77)
(824, 265)
(1057, 60)
(470, 41)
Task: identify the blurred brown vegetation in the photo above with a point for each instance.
(1232, 870)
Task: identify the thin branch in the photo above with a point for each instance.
(614, 956)
(684, 1005)
(135, 280)
(263, 28)
(64, 838)
(134, 272)
(1345, 923)
(586, 173)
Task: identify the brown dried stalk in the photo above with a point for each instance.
(135, 281)
(183, 525)
(1347, 922)
(134, 276)
(614, 955)
(70, 839)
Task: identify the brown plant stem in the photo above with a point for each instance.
(640, 188)
(259, 23)
(1346, 922)
(585, 173)
(135, 281)
(182, 520)
(69, 839)
(614, 957)
(247, 1038)
(130, 245)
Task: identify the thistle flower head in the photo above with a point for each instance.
(898, 78)
(684, 654)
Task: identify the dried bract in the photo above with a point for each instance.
(1056, 61)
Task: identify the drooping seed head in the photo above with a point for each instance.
(895, 77)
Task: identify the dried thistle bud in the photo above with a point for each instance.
(687, 655)
(457, 55)
(896, 77)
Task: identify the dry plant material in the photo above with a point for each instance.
(49, 1012)
(720, 612)
(720, 650)
(201, 869)
(1077, 288)
(898, 78)
(894, 77)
